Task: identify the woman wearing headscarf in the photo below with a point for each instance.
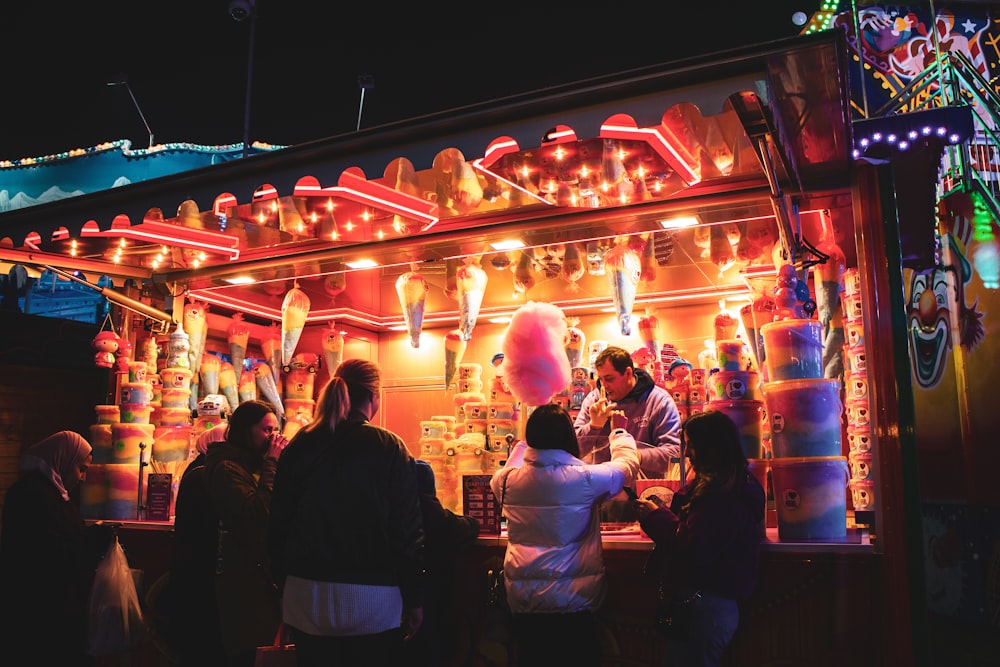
(554, 565)
(47, 556)
(346, 534)
(708, 539)
(239, 474)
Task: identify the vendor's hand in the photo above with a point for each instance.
(600, 410)
(618, 420)
(412, 619)
(643, 507)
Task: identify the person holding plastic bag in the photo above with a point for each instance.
(47, 555)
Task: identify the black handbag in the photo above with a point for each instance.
(674, 616)
(496, 588)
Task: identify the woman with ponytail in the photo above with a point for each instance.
(346, 536)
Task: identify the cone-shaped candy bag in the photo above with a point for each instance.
(622, 265)
(573, 267)
(524, 273)
(575, 343)
(294, 310)
(247, 389)
(411, 288)
(238, 333)
(334, 284)
(228, 385)
(648, 334)
(271, 347)
(454, 350)
(268, 388)
(647, 261)
(333, 347)
(209, 373)
(471, 282)
(196, 325)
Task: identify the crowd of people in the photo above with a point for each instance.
(335, 541)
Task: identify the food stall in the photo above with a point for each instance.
(648, 207)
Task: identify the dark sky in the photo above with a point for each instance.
(186, 62)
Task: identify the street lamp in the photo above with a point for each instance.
(241, 10)
(122, 81)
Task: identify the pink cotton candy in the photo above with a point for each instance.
(535, 363)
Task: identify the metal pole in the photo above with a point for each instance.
(246, 109)
(141, 115)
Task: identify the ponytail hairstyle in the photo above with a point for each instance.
(354, 382)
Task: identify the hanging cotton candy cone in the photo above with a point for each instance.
(573, 267)
(238, 334)
(228, 385)
(648, 334)
(268, 388)
(196, 326)
(334, 284)
(247, 389)
(294, 310)
(471, 282)
(411, 288)
(622, 266)
(575, 344)
(209, 373)
(454, 350)
(333, 347)
(647, 261)
(271, 347)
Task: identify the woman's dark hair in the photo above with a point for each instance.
(712, 440)
(246, 415)
(354, 382)
(550, 427)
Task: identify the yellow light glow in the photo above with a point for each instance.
(508, 244)
(363, 264)
(241, 280)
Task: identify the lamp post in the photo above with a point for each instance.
(240, 10)
(122, 81)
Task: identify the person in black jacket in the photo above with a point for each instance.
(345, 537)
(445, 533)
(47, 555)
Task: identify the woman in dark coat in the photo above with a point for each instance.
(47, 556)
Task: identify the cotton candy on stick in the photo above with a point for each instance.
(648, 332)
(294, 310)
(411, 288)
(228, 384)
(535, 362)
(471, 282)
(622, 266)
(267, 387)
(333, 347)
(238, 334)
(247, 389)
(454, 350)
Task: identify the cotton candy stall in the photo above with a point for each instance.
(294, 310)
(238, 336)
(412, 288)
(622, 266)
(333, 347)
(470, 280)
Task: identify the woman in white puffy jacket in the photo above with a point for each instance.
(554, 566)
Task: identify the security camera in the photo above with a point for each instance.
(241, 9)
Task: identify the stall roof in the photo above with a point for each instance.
(723, 136)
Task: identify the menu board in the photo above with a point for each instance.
(478, 501)
(158, 496)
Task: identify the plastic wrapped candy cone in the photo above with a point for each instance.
(622, 265)
(471, 281)
(334, 284)
(648, 334)
(451, 279)
(454, 350)
(333, 347)
(178, 348)
(228, 385)
(271, 347)
(647, 261)
(209, 373)
(247, 389)
(524, 273)
(238, 334)
(267, 387)
(576, 343)
(196, 326)
(294, 310)
(411, 288)
(573, 267)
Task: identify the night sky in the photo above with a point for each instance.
(186, 62)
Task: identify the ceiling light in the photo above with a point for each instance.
(241, 280)
(679, 222)
(510, 244)
(362, 264)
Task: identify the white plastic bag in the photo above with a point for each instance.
(115, 624)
